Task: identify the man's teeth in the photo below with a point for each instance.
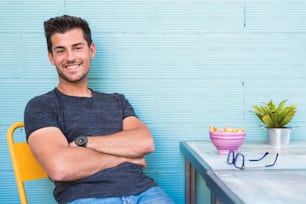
(73, 66)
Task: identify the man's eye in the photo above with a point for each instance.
(78, 48)
(59, 51)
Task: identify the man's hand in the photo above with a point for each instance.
(140, 161)
(72, 144)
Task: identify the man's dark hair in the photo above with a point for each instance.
(62, 24)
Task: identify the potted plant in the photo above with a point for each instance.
(275, 118)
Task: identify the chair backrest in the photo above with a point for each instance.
(25, 166)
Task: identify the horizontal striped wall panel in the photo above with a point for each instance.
(183, 65)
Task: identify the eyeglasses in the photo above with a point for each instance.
(238, 160)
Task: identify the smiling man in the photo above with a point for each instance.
(91, 144)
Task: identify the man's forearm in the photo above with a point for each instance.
(79, 162)
(130, 143)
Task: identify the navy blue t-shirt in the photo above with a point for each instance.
(100, 114)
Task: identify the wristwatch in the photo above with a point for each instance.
(81, 141)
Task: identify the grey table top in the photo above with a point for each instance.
(283, 183)
(292, 156)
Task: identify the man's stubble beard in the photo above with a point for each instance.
(65, 78)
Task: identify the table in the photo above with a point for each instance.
(202, 156)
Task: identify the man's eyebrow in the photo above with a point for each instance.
(78, 44)
(59, 47)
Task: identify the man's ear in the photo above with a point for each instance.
(50, 56)
(92, 49)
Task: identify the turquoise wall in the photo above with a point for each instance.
(183, 64)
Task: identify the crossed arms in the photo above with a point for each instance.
(67, 162)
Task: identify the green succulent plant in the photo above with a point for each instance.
(275, 116)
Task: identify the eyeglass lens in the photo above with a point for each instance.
(239, 161)
(230, 157)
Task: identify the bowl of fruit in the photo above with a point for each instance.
(227, 138)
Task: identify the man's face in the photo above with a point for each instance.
(71, 55)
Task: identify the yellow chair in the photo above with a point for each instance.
(26, 168)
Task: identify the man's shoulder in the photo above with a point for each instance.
(47, 97)
(114, 95)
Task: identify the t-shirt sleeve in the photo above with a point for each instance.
(128, 110)
(40, 112)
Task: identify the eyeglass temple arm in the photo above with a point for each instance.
(260, 157)
(269, 165)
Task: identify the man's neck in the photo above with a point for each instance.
(80, 91)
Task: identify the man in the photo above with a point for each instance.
(91, 144)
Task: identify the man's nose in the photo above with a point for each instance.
(70, 55)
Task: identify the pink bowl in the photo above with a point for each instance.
(225, 141)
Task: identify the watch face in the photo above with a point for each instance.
(81, 141)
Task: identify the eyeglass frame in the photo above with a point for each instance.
(235, 156)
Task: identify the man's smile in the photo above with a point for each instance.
(72, 66)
